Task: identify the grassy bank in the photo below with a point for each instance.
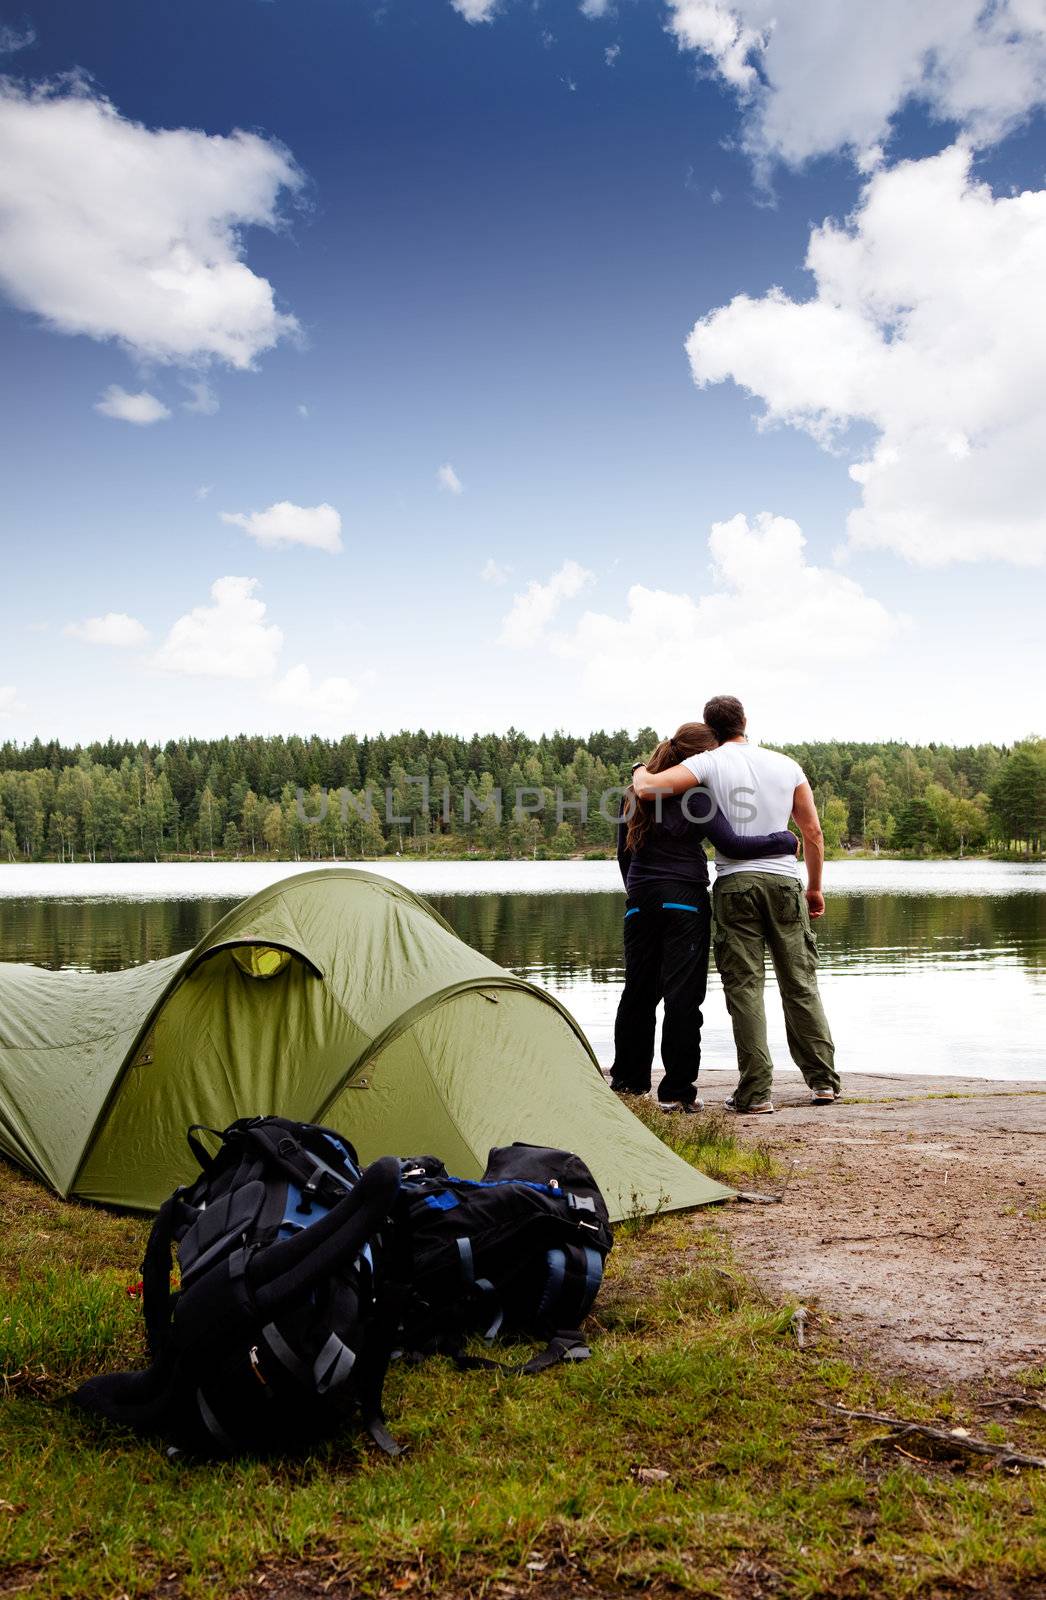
(692, 1454)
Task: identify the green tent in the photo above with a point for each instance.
(333, 996)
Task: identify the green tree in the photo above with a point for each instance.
(1018, 795)
(835, 822)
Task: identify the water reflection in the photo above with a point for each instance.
(913, 982)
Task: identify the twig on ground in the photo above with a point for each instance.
(799, 1316)
(1027, 1401)
(945, 1338)
(884, 1238)
(902, 1428)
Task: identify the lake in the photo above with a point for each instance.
(936, 967)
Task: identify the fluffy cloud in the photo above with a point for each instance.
(229, 639)
(772, 625)
(823, 75)
(537, 605)
(448, 479)
(493, 572)
(318, 527)
(119, 231)
(11, 40)
(142, 408)
(115, 628)
(325, 703)
(926, 323)
(475, 10)
(204, 401)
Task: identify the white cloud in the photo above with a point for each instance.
(8, 699)
(115, 628)
(204, 401)
(824, 75)
(927, 324)
(475, 10)
(611, 53)
(118, 231)
(303, 410)
(538, 604)
(772, 624)
(204, 490)
(448, 479)
(317, 527)
(142, 408)
(11, 40)
(492, 572)
(229, 639)
(594, 9)
(326, 702)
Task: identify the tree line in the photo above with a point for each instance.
(429, 793)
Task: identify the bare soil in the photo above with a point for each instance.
(913, 1222)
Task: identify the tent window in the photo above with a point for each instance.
(261, 960)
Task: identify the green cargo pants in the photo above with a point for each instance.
(756, 911)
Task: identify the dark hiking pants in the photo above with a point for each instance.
(756, 912)
(667, 937)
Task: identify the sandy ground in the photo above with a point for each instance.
(914, 1220)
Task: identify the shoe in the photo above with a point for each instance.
(630, 1094)
(688, 1108)
(823, 1097)
(758, 1108)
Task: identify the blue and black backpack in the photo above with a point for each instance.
(518, 1252)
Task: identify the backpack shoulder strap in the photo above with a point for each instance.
(157, 1298)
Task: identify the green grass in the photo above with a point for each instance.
(711, 1142)
(511, 1485)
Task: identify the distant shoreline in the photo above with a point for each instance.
(999, 857)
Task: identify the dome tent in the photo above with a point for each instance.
(333, 996)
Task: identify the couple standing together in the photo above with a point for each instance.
(760, 904)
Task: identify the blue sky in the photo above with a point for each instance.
(478, 238)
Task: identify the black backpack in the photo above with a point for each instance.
(282, 1325)
(302, 1275)
(519, 1251)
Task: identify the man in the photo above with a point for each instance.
(761, 904)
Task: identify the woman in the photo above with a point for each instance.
(668, 922)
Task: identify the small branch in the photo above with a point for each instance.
(884, 1238)
(1025, 1401)
(945, 1338)
(1004, 1454)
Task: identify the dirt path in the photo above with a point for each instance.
(915, 1219)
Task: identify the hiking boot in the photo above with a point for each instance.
(823, 1097)
(758, 1108)
(688, 1108)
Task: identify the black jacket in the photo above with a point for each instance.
(674, 846)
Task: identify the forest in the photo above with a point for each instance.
(492, 794)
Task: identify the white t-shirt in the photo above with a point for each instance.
(754, 788)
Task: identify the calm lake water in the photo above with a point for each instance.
(937, 967)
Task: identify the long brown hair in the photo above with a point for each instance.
(688, 740)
